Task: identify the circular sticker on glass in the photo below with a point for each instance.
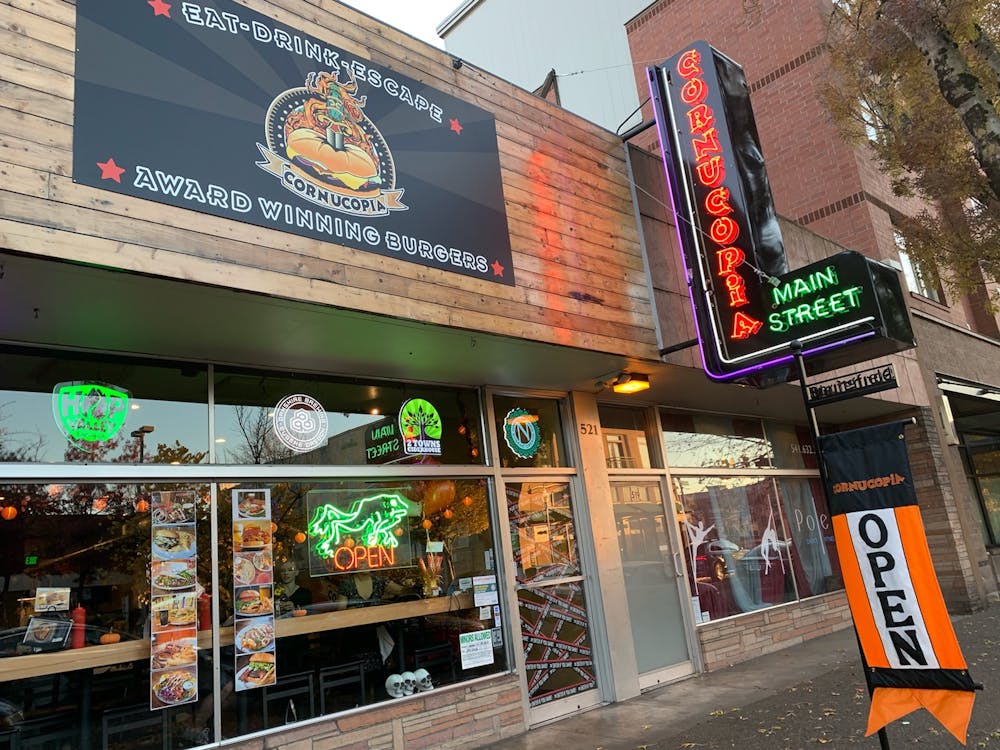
(521, 432)
(300, 422)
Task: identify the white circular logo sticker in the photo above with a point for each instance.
(300, 422)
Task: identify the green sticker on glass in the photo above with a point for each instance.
(421, 427)
(89, 412)
(521, 432)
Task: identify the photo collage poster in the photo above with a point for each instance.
(253, 589)
(173, 629)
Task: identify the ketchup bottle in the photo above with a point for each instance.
(204, 612)
(78, 634)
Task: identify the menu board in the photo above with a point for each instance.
(173, 577)
(253, 589)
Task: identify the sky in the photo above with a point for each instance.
(418, 19)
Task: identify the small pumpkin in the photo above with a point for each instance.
(109, 638)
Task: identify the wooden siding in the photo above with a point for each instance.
(578, 269)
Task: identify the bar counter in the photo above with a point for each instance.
(66, 660)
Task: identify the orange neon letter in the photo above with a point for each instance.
(717, 202)
(737, 290)
(694, 92)
(688, 64)
(711, 173)
(744, 326)
(724, 230)
(707, 144)
(700, 118)
(729, 259)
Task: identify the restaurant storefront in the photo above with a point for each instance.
(298, 455)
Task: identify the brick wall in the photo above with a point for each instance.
(466, 716)
(748, 636)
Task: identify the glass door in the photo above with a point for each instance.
(555, 631)
(653, 582)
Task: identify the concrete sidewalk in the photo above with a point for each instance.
(807, 695)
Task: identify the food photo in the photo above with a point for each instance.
(178, 652)
(250, 568)
(251, 504)
(173, 610)
(174, 686)
(174, 576)
(174, 542)
(255, 635)
(252, 535)
(173, 507)
(254, 601)
(255, 670)
(43, 633)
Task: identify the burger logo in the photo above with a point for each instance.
(322, 147)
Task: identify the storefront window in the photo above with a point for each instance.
(78, 608)
(333, 594)
(273, 419)
(626, 444)
(529, 432)
(88, 409)
(753, 542)
(370, 582)
(710, 441)
(737, 546)
(983, 453)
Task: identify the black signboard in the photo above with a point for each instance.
(215, 108)
(750, 310)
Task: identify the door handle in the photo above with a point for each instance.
(678, 565)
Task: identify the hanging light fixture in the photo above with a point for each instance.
(9, 513)
(629, 382)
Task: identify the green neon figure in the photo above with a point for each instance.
(370, 519)
(89, 412)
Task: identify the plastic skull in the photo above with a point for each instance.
(394, 686)
(423, 680)
(409, 683)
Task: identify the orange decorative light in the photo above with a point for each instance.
(448, 513)
(142, 506)
(274, 527)
(9, 513)
(299, 537)
(398, 531)
(426, 523)
(466, 501)
(348, 542)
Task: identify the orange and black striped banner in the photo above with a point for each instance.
(912, 657)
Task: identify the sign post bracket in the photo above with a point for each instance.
(796, 348)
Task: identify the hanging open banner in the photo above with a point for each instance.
(911, 654)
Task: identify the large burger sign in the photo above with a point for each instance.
(215, 108)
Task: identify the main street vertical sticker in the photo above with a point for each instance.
(212, 107)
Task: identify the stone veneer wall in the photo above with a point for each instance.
(461, 716)
(736, 639)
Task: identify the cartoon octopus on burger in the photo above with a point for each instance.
(320, 132)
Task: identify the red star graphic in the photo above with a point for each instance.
(497, 268)
(455, 125)
(111, 171)
(160, 8)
